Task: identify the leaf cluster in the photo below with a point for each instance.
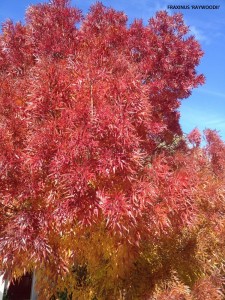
(100, 194)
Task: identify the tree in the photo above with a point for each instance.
(101, 194)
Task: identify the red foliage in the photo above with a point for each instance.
(88, 128)
(194, 137)
(84, 109)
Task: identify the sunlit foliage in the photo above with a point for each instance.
(101, 194)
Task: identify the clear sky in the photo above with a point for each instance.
(205, 108)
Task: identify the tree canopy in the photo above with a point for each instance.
(101, 193)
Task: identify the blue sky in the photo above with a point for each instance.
(205, 108)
